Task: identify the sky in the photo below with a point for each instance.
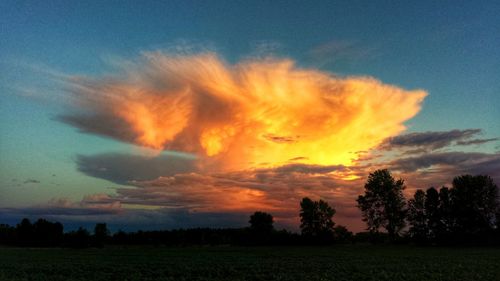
(167, 114)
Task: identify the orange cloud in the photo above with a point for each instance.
(275, 190)
(256, 113)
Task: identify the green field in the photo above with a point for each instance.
(349, 262)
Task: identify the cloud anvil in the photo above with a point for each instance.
(259, 112)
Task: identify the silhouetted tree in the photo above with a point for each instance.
(120, 237)
(432, 213)
(25, 232)
(464, 213)
(417, 217)
(261, 227)
(261, 222)
(47, 233)
(445, 215)
(101, 234)
(316, 219)
(424, 215)
(7, 234)
(79, 238)
(342, 235)
(383, 204)
(474, 203)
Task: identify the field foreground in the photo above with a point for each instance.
(350, 262)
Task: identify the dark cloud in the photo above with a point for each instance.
(309, 169)
(449, 164)
(428, 141)
(31, 181)
(105, 125)
(300, 158)
(57, 211)
(72, 214)
(125, 168)
(458, 159)
(281, 139)
(476, 141)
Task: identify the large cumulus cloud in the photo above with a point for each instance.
(256, 113)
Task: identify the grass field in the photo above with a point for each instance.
(232, 263)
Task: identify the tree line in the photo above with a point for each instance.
(466, 213)
(316, 224)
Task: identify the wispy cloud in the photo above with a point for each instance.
(476, 141)
(259, 111)
(336, 51)
(450, 164)
(433, 140)
(31, 181)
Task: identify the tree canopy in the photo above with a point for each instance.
(467, 212)
(383, 204)
(474, 203)
(316, 218)
(261, 222)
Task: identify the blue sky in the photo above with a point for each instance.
(450, 49)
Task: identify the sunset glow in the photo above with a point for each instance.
(194, 113)
(257, 113)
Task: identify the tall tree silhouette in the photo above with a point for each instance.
(474, 203)
(445, 215)
(7, 234)
(79, 238)
(261, 222)
(417, 217)
(25, 232)
(101, 233)
(383, 204)
(261, 227)
(316, 219)
(432, 213)
(424, 215)
(465, 213)
(47, 233)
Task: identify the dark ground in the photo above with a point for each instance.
(342, 262)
